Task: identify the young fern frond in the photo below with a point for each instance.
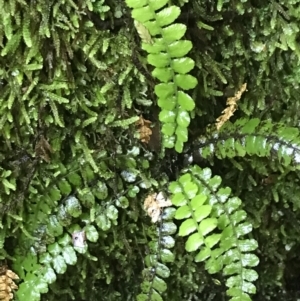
(253, 137)
(162, 39)
(215, 226)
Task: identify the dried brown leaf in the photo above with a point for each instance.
(153, 205)
(231, 106)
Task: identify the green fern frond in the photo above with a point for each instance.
(153, 285)
(253, 137)
(162, 39)
(215, 226)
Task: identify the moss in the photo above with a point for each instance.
(76, 78)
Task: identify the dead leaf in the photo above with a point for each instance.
(231, 107)
(143, 32)
(153, 205)
(144, 129)
(43, 149)
(7, 284)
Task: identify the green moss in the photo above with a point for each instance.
(74, 79)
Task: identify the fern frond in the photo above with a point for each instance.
(215, 226)
(156, 271)
(253, 137)
(162, 39)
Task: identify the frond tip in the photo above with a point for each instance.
(215, 226)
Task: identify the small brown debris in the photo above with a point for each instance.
(144, 129)
(231, 107)
(7, 284)
(43, 149)
(153, 205)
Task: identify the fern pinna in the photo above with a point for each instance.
(162, 39)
